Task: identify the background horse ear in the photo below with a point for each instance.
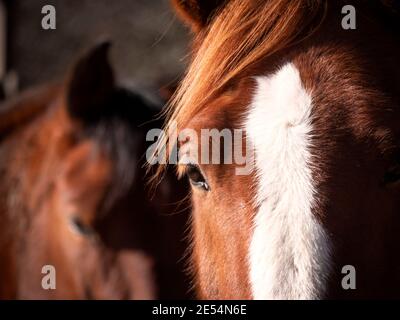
(91, 83)
(197, 13)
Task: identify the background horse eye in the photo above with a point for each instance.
(196, 177)
(79, 227)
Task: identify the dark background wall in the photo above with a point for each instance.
(149, 42)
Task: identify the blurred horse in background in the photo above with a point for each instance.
(72, 193)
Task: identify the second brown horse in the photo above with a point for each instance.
(73, 194)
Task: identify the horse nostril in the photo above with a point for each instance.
(79, 227)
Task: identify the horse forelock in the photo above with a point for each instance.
(241, 35)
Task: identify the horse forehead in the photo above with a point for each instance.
(88, 159)
(224, 110)
(277, 91)
(280, 98)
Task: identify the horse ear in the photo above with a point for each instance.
(197, 13)
(90, 84)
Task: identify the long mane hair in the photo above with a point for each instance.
(241, 34)
(244, 32)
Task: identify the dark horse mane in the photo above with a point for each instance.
(16, 111)
(124, 118)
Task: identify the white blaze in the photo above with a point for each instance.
(290, 251)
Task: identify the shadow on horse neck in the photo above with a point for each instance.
(73, 194)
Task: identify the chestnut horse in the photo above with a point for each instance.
(319, 107)
(73, 195)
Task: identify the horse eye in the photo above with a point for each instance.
(79, 227)
(196, 177)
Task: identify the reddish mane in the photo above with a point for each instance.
(243, 33)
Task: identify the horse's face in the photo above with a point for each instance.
(322, 124)
(81, 222)
(90, 246)
(81, 185)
